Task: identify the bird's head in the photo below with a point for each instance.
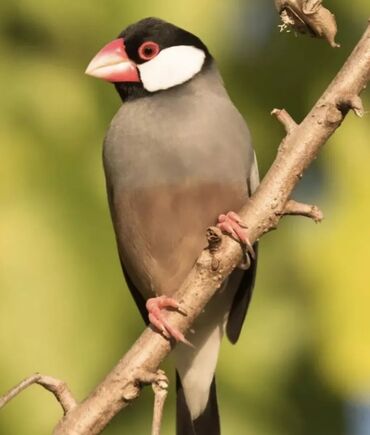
(150, 56)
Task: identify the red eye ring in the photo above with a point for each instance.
(148, 50)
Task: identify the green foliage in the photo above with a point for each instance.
(64, 308)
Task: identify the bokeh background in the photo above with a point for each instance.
(302, 365)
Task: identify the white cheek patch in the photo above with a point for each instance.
(171, 67)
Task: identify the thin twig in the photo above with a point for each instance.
(283, 116)
(160, 388)
(300, 209)
(55, 386)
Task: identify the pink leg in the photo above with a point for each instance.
(232, 224)
(157, 319)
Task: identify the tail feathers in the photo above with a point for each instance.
(208, 423)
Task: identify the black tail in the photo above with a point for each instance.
(207, 423)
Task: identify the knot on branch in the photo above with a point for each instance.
(351, 102)
(131, 392)
(214, 237)
(159, 382)
(131, 389)
(333, 115)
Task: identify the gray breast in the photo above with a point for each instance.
(192, 130)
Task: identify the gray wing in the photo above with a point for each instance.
(137, 296)
(243, 280)
(241, 299)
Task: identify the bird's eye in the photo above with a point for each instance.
(148, 50)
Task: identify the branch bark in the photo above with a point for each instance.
(262, 213)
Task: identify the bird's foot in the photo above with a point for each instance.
(157, 319)
(232, 224)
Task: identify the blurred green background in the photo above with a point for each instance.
(64, 309)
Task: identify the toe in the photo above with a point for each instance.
(166, 302)
(221, 218)
(226, 227)
(237, 219)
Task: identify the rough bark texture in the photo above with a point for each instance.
(262, 213)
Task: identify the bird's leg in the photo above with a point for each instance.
(232, 224)
(158, 320)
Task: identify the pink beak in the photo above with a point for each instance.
(113, 64)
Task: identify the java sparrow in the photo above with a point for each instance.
(177, 159)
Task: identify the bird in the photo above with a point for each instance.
(178, 158)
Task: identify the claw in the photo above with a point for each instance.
(156, 318)
(232, 224)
